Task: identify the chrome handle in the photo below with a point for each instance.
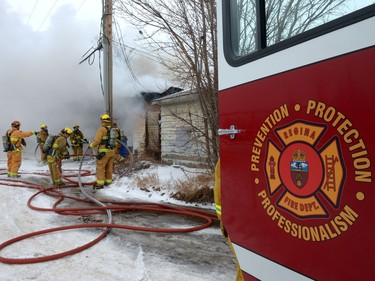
(232, 131)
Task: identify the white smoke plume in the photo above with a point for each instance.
(42, 81)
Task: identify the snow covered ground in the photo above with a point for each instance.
(123, 254)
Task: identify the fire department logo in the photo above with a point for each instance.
(300, 175)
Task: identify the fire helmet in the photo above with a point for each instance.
(43, 126)
(75, 125)
(105, 117)
(68, 131)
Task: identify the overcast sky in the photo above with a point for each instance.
(41, 79)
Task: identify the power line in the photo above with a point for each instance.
(129, 68)
(48, 14)
(80, 6)
(32, 12)
(142, 53)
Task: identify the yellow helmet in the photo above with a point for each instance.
(68, 131)
(43, 126)
(105, 117)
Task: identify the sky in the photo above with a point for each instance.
(43, 42)
(127, 255)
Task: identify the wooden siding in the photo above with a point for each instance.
(139, 134)
(180, 143)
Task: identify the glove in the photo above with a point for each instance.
(100, 155)
(34, 132)
(91, 145)
(85, 141)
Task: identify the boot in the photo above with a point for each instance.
(97, 186)
(58, 184)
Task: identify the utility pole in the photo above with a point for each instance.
(107, 58)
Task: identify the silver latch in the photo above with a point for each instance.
(232, 131)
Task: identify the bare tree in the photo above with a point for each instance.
(184, 34)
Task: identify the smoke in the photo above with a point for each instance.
(42, 81)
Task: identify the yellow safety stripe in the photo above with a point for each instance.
(15, 141)
(51, 159)
(218, 209)
(105, 150)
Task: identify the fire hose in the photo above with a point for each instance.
(104, 206)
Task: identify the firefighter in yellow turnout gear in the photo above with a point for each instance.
(105, 153)
(15, 153)
(77, 139)
(56, 154)
(41, 138)
(217, 196)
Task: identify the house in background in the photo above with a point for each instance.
(182, 129)
(146, 132)
(172, 128)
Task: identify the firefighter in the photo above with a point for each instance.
(56, 154)
(77, 140)
(105, 153)
(15, 153)
(118, 156)
(217, 196)
(41, 138)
